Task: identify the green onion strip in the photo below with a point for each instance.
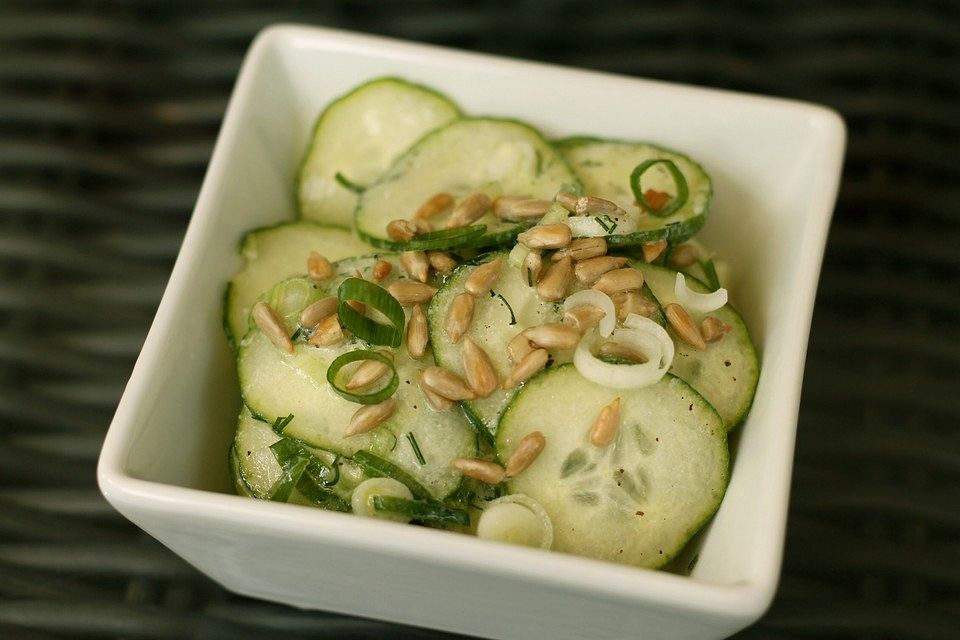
(373, 397)
(680, 182)
(374, 297)
(447, 238)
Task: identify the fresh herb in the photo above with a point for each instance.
(297, 334)
(416, 448)
(447, 238)
(423, 511)
(349, 184)
(679, 181)
(281, 423)
(605, 221)
(374, 297)
(374, 397)
(494, 294)
(710, 270)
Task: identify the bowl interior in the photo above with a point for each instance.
(771, 163)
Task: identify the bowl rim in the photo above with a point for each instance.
(743, 600)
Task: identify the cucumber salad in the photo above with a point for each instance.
(475, 328)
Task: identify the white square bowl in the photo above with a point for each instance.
(775, 166)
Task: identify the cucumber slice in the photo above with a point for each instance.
(491, 328)
(638, 500)
(234, 463)
(604, 167)
(274, 384)
(467, 155)
(357, 137)
(726, 374)
(274, 253)
(258, 469)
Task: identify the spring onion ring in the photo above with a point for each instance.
(597, 299)
(517, 519)
(377, 298)
(698, 302)
(373, 397)
(679, 181)
(640, 334)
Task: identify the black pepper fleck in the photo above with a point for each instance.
(726, 363)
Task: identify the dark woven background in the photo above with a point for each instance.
(107, 116)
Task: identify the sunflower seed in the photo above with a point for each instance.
(619, 280)
(582, 249)
(369, 372)
(553, 335)
(528, 449)
(481, 376)
(459, 316)
(441, 261)
(409, 292)
(318, 267)
(621, 351)
(369, 417)
(482, 470)
(381, 269)
(714, 329)
(531, 267)
(567, 200)
(401, 230)
(417, 334)
(529, 365)
(268, 322)
(656, 199)
(519, 347)
(583, 317)
(683, 324)
(546, 236)
(446, 383)
(589, 271)
(555, 282)
(469, 210)
(434, 206)
(683, 255)
(328, 332)
(627, 302)
(516, 208)
(438, 402)
(605, 428)
(481, 280)
(416, 265)
(314, 313)
(594, 204)
(652, 250)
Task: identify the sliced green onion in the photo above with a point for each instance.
(679, 181)
(349, 184)
(447, 238)
(412, 439)
(422, 511)
(710, 270)
(374, 397)
(376, 466)
(375, 297)
(281, 423)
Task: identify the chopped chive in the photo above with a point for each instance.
(679, 181)
(416, 448)
(605, 221)
(349, 184)
(494, 294)
(375, 297)
(373, 397)
(281, 423)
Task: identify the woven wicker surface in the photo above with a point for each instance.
(108, 113)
